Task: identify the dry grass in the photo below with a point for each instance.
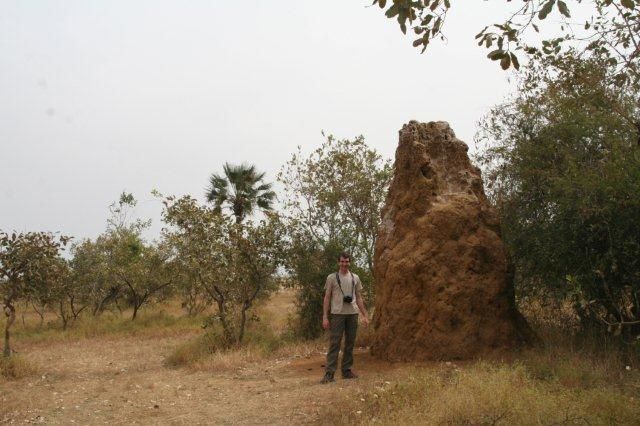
(278, 310)
(16, 367)
(268, 338)
(573, 379)
(162, 321)
(486, 393)
(234, 358)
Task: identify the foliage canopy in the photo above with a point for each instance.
(612, 29)
(563, 166)
(333, 202)
(241, 189)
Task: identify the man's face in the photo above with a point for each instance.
(343, 263)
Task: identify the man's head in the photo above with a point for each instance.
(343, 261)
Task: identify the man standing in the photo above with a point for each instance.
(343, 289)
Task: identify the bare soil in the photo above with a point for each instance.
(124, 381)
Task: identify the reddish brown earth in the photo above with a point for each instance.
(123, 381)
(445, 285)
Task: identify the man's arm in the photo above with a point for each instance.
(325, 306)
(363, 310)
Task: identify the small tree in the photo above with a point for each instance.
(64, 296)
(92, 283)
(87, 278)
(233, 263)
(27, 260)
(140, 271)
(334, 199)
(337, 194)
(198, 239)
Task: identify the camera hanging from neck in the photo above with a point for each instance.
(347, 299)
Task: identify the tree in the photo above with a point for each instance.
(562, 161)
(233, 263)
(309, 262)
(334, 199)
(241, 190)
(27, 260)
(140, 270)
(198, 239)
(337, 194)
(137, 269)
(90, 274)
(613, 28)
(92, 286)
(118, 266)
(63, 295)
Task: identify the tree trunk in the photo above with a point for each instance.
(39, 312)
(138, 301)
(228, 333)
(135, 311)
(243, 321)
(75, 312)
(10, 313)
(118, 306)
(26, 305)
(63, 316)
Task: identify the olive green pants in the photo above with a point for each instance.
(341, 324)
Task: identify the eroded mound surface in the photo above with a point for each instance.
(445, 285)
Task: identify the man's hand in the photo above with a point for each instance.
(365, 321)
(325, 323)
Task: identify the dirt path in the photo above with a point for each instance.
(123, 381)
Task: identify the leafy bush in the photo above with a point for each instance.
(563, 166)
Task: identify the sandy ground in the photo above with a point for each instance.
(123, 381)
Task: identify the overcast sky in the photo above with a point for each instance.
(101, 97)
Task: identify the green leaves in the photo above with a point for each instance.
(506, 58)
(231, 263)
(30, 265)
(241, 189)
(514, 61)
(546, 9)
(562, 7)
(629, 4)
(610, 26)
(560, 161)
(496, 54)
(392, 11)
(505, 62)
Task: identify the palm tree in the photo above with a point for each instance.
(241, 189)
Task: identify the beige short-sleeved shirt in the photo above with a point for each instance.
(349, 288)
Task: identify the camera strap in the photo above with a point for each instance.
(353, 284)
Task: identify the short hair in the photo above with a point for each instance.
(344, 255)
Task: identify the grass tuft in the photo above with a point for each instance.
(16, 367)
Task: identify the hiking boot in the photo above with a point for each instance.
(328, 378)
(349, 375)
